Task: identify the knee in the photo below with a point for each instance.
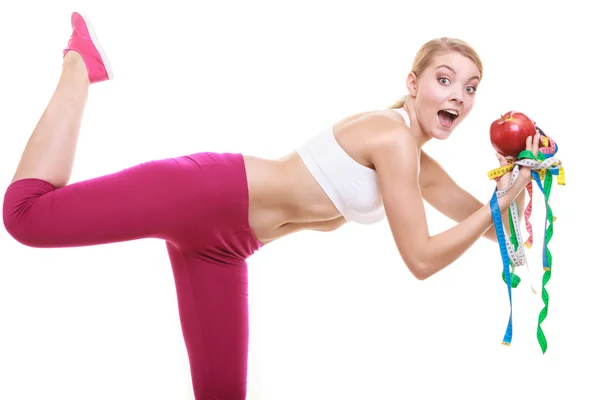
(18, 233)
(16, 227)
(10, 209)
(17, 216)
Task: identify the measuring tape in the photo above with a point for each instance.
(512, 249)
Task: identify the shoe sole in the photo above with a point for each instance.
(94, 37)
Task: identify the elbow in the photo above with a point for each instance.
(419, 269)
(421, 259)
(424, 265)
(421, 274)
(417, 262)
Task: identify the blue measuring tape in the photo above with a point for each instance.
(497, 218)
(544, 162)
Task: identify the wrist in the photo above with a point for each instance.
(522, 181)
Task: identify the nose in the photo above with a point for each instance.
(457, 97)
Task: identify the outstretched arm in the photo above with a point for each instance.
(395, 160)
(446, 196)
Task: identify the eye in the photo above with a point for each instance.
(471, 89)
(444, 81)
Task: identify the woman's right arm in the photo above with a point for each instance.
(395, 159)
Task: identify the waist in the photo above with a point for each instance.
(287, 188)
(285, 197)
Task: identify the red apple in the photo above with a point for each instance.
(509, 133)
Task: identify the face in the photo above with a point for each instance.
(444, 93)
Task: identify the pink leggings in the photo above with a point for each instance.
(197, 204)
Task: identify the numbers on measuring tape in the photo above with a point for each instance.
(543, 166)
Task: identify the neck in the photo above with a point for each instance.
(415, 128)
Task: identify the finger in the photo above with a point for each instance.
(528, 144)
(536, 144)
(501, 159)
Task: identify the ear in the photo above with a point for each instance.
(411, 84)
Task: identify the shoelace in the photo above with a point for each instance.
(512, 249)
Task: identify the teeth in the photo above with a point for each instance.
(451, 112)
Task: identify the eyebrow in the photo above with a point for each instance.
(453, 71)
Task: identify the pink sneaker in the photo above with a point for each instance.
(83, 40)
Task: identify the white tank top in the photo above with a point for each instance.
(352, 187)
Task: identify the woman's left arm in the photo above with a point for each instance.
(446, 196)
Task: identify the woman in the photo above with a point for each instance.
(214, 210)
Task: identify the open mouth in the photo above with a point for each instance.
(447, 117)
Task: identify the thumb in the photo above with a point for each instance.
(501, 159)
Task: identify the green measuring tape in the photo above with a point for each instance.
(543, 166)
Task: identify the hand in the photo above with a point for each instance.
(504, 180)
(532, 144)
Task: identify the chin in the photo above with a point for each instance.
(441, 132)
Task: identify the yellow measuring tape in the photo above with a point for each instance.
(543, 166)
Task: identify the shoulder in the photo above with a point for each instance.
(376, 128)
(391, 141)
(375, 138)
(373, 122)
(382, 121)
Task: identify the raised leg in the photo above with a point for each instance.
(198, 203)
(50, 151)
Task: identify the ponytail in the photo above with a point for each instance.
(400, 103)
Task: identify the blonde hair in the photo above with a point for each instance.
(434, 47)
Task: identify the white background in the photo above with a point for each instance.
(333, 316)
